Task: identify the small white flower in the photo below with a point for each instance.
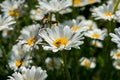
(12, 8)
(61, 37)
(116, 64)
(54, 5)
(29, 74)
(104, 12)
(7, 33)
(76, 25)
(116, 36)
(97, 34)
(18, 58)
(115, 54)
(89, 63)
(53, 63)
(37, 14)
(97, 43)
(5, 22)
(29, 38)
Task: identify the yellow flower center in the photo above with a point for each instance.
(87, 63)
(77, 2)
(96, 35)
(31, 41)
(60, 41)
(52, 64)
(14, 13)
(108, 14)
(91, 1)
(75, 28)
(118, 64)
(90, 27)
(9, 32)
(38, 11)
(117, 54)
(19, 63)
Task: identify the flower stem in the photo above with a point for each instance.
(67, 74)
(116, 6)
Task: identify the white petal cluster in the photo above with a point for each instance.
(61, 37)
(29, 74)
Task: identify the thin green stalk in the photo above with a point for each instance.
(116, 6)
(67, 74)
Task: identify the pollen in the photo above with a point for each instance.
(38, 11)
(108, 14)
(31, 41)
(91, 1)
(19, 63)
(14, 13)
(90, 27)
(87, 63)
(117, 54)
(96, 35)
(77, 2)
(75, 28)
(60, 41)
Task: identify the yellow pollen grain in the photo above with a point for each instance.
(75, 28)
(60, 41)
(87, 63)
(14, 13)
(117, 54)
(19, 63)
(96, 35)
(77, 2)
(91, 1)
(108, 14)
(31, 41)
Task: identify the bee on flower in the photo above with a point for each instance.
(61, 37)
(33, 73)
(89, 63)
(19, 58)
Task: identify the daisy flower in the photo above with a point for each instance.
(97, 43)
(18, 58)
(29, 74)
(89, 63)
(79, 3)
(115, 54)
(53, 63)
(37, 14)
(54, 5)
(5, 22)
(61, 37)
(76, 25)
(12, 8)
(29, 38)
(7, 33)
(96, 34)
(116, 64)
(116, 36)
(104, 12)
